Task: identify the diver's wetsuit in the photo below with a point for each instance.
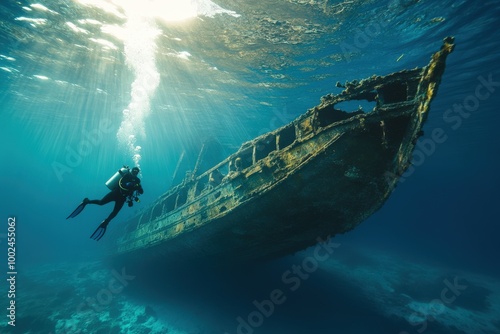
(128, 184)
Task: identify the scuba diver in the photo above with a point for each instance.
(125, 187)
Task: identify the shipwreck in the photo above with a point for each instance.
(322, 174)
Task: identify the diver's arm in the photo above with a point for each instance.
(131, 183)
(138, 187)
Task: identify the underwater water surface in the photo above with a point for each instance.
(87, 86)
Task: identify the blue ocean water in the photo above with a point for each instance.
(90, 85)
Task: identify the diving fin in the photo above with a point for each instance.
(78, 209)
(99, 232)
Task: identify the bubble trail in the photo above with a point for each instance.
(140, 49)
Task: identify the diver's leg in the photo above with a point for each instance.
(105, 200)
(118, 206)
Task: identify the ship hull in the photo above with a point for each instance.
(321, 175)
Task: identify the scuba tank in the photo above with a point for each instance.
(113, 182)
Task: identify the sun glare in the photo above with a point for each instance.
(166, 10)
(170, 10)
(138, 33)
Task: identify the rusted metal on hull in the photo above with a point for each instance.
(320, 175)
